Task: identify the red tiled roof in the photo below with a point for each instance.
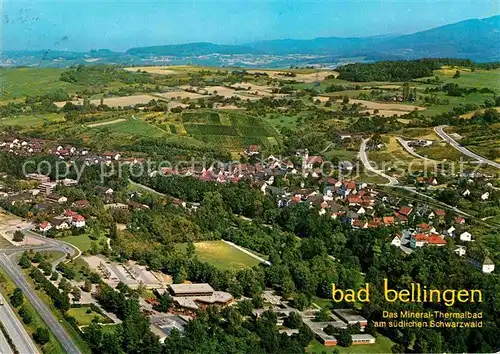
(350, 185)
(436, 240)
(420, 237)
(389, 220)
(78, 218)
(82, 202)
(405, 210)
(70, 212)
(354, 198)
(439, 212)
(314, 159)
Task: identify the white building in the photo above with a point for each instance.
(465, 236)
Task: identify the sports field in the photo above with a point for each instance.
(222, 255)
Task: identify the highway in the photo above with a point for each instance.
(366, 163)
(16, 274)
(440, 131)
(4, 345)
(21, 339)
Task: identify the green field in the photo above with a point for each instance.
(29, 121)
(133, 127)
(83, 318)
(383, 345)
(478, 78)
(22, 82)
(82, 242)
(222, 255)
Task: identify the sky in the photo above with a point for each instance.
(81, 25)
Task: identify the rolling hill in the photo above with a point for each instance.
(475, 39)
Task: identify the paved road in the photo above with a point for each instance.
(364, 159)
(21, 339)
(440, 131)
(52, 323)
(412, 152)
(4, 345)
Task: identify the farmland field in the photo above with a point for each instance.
(133, 127)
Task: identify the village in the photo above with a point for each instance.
(357, 204)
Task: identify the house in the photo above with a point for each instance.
(81, 203)
(450, 231)
(459, 220)
(436, 240)
(45, 226)
(405, 210)
(252, 150)
(418, 240)
(423, 227)
(60, 224)
(359, 224)
(388, 220)
(313, 160)
(485, 196)
(396, 241)
(440, 213)
(460, 250)
(56, 198)
(432, 181)
(112, 156)
(47, 187)
(483, 264)
(354, 199)
(466, 236)
(38, 177)
(78, 221)
(466, 193)
(103, 190)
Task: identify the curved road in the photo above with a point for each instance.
(440, 131)
(366, 163)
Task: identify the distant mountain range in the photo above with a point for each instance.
(476, 39)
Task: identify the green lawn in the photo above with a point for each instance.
(82, 242)
(83, 318)
(222, 255)
(383, 345)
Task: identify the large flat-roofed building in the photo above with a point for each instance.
(202, 289)
(190, 296)
(363, 339)
(350, 316)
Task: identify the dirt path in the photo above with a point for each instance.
(119, 120)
